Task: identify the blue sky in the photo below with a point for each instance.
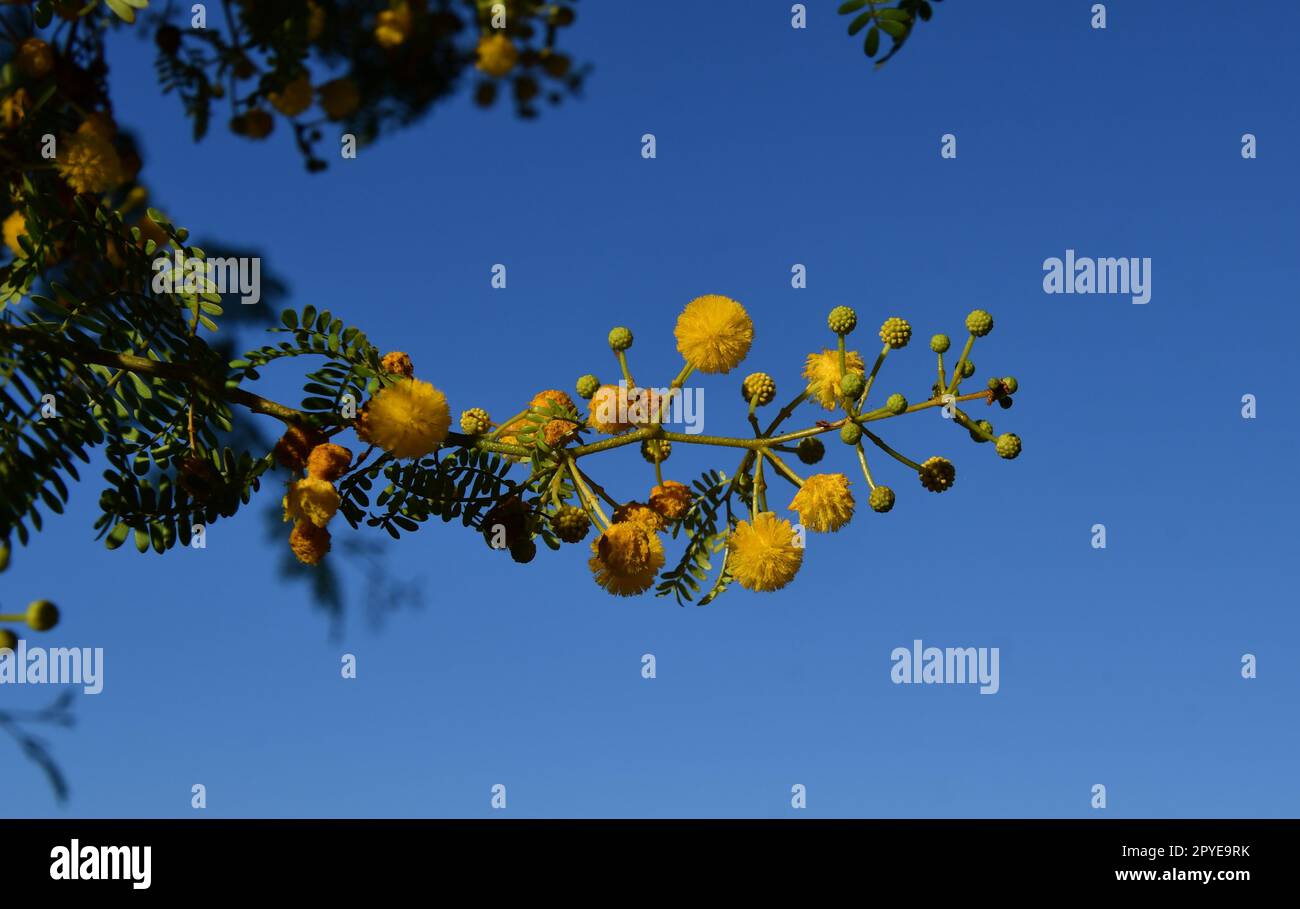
(775, 147)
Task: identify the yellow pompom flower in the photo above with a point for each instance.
(309, 542)
(328, 461)
(639, 513)
(671, 499)
(626, 558)
(295, 98)
(824, 502)
(311, 499)
(714, 333)
(822, 370)
(497, 55)
(393, 26)
(15, 226)
(398, 363)
(762, 555)
(409, 419)
(88, 162)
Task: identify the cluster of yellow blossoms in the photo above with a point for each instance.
(409, 418)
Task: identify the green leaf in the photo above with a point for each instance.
(851, 5)
(873, 42)
(856, 25)
(895, 30)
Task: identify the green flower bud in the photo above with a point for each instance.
(810, 450)
(42, 615)
(842, 320)
(967, 369)
(896, 332)
(940, 343)
(570, 524)
(475, 421)
(852, 385)
(1010, 384)
(850, 433)
(8, 640)
(881, 499)
(979, 323)
(620, 338)
(759, 386)
(1008, 445)
(896, 404)
(588, 385)
(656, 451)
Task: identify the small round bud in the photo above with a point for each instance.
(42, 615)
(588, 385)
(656, 451)
(523, 551)
(896, 332)
(979, 323)
(940, 343)
(570, 524)
(896, 404)
(937, 474)
(852, 385)
(810, 450)
(1008, 445)
(984, 425)
(1005, 403)
(475, 421)
(995, 384)
(850, 433)
(842, 320)
(1010, 385)
(620, 338)
(8, 640)
(881, 499)
(758, 386)
(967, 369)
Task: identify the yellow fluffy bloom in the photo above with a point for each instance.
(409, 419)
(496, 54)
(393, 26)
(328, 461)
(763, 555)
(671, 499)
(89, 163)
(714, 333)
(824, 374)
(639, 513)
(626, 558)
(824, 502)
(15, 226)
(311, 499)
(309, 542)
(295, 98)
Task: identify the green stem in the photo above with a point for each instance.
(866, 471)
(880, 443)
(961, 361)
